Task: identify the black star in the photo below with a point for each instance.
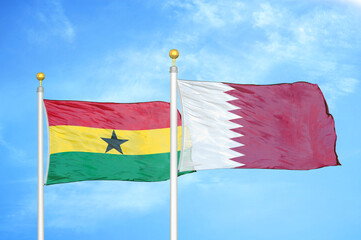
(114, 142)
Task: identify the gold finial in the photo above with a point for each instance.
(173, 54)
(40, 76)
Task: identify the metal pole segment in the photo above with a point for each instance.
(40, 91)
(173, 155)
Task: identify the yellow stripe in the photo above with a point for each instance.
(84, 139)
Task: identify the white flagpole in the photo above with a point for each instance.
(173, 148)
(40, 76)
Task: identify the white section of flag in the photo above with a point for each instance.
(207, 127)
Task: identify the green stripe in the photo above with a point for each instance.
(81, 166)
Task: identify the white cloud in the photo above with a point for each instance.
(210, 13)
(52, 22)
(13, 151)
(356, 3)
(85, 205)
(132, 75)
(313, 44)
(286, 38)
(80, 205)
(339, 87)
(348, 85)
(136, 75)
(267, 16)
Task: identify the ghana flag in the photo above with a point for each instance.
(108, 141)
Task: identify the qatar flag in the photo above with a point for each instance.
(280, 126)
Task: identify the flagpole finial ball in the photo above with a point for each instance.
(40, 76)
(173, 53)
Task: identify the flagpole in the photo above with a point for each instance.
(173, 148)
(40, 76)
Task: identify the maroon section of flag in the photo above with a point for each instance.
(284, 126)
(121, 116)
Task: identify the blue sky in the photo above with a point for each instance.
(118, 51)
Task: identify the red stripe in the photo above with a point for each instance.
(121, 116)
(284, 126)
